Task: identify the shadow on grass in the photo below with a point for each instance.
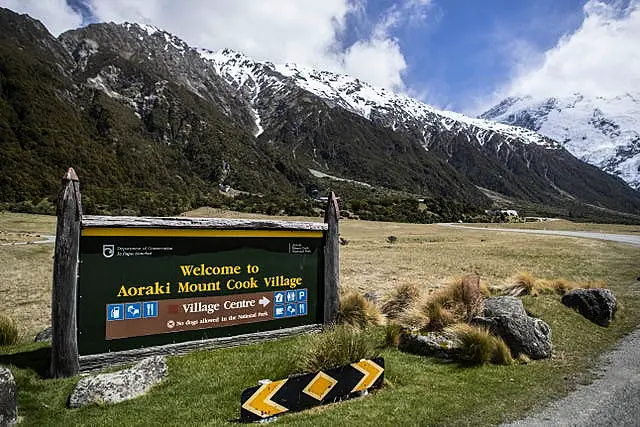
(38, 360)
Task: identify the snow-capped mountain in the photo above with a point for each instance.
(147, 112)
(396, 111)
(603, 131)
(512, 160)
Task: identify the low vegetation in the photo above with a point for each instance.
(525, 283)
(478, 346)
(357, 311)
(336, 346)
(420, 390)
(8, 331)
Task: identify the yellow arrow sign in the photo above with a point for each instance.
(371, 371)
(260, 402)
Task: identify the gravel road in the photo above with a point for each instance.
(630, 239)
(611, 400)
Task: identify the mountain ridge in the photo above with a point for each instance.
(174, 124)
(602, 131)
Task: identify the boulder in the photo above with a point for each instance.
(44, 335)
(505, 305)
(8, 398)
(597, 305)
(430, 344)
(119, 386)
(523, 334)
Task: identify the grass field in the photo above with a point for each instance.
(203, 388)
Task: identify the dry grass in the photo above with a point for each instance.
(478, 346)
(403, 296)
(525, 283)
(356, 310)
(441, 308)
(425, 256)
(565, 225)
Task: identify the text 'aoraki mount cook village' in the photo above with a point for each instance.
(202, 270)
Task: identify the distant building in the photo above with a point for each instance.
(505, 212)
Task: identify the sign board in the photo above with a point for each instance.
(142, 286)
(305, 391)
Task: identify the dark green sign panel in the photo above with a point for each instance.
(145, 287)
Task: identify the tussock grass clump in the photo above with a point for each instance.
(439, 316)
(401, 298)
(336, 346)
(456, 302)
(524, 283)
(478, 346)
(8, 330)
(356, 310)
(501, 353)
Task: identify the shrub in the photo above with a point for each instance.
(478, 346)
(439, 316)
(8, 330)
(449, 305)
(336, 346)
(356, 310)
(402, 297)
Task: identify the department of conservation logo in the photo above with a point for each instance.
(108, 250)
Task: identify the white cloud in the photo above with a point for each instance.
(305, 32)
(309, 33)
(56, 15)
(601, 58)
(377, 61)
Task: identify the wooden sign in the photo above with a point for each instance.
(184, 280)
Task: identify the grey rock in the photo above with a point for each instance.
(523, 334)
(372, 297)
(8, 398)
(506, 305)
(597, 305)
(430, 344)
(119, 386)
(44, 335)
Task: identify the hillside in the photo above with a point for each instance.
(154, 126)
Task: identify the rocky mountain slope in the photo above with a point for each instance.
(603, 131)
(145, 118)
(511, 160)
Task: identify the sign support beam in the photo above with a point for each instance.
(64, 344)
(332, 261)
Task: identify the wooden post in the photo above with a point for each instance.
(64, 343)
(332, 262)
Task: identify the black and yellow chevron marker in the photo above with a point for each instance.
(300, 392)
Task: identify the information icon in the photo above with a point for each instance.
(132, 310)
(115, 312)
(302, 309)
(278, 298)
(278, 311)
(302, 294)
(291, 296)
(150, 309)
(291, 310)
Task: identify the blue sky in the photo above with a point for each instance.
(462, 55)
